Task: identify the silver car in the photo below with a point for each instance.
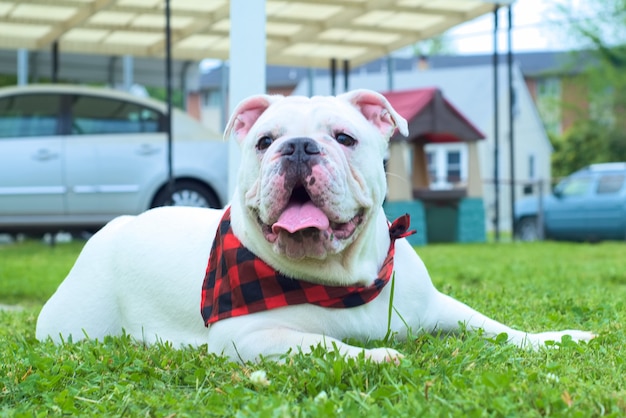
(73, 158)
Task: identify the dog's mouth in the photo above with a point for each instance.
(303, 221)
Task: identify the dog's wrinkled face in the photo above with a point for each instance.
(312, 168)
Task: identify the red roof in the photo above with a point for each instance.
(431, 117)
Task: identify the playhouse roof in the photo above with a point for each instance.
(431, 117)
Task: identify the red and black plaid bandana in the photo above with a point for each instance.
(237, 282)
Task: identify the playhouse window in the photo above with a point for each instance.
(453, 166)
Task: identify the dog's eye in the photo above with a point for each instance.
(345, 139)
(264, 143)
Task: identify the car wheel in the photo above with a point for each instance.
(527, 229)
(187, 193)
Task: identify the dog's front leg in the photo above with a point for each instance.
(447, 314)
(246, 344)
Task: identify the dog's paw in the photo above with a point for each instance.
(383, 355)
(535, 341)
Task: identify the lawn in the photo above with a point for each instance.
(537, 287)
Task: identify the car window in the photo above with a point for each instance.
(574, 186)
(29, 115)
(98, 115)
(610, 183)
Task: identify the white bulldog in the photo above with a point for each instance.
(311, 251)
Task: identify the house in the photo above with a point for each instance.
(554, 80)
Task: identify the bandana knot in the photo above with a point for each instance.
(237, 282)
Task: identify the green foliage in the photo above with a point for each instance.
(600, 134)
(436, 45)
(160, 93)
(535, 286)
(587, 142)
(7, 80)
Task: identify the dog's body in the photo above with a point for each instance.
(309, 204)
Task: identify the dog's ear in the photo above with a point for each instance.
(376, 109)
(246, 114)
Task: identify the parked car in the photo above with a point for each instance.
(588, 205)
(74, 157)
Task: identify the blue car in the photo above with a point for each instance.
(588, 205)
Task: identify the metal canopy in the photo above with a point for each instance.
(299, 32)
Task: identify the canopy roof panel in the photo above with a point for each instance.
(299, 32)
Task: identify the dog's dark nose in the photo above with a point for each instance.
(299, 149)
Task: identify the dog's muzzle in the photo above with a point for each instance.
(304, 222)
(298, 155)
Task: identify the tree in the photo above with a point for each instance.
(599, 26)
(160, 93)
(586, 143)
(437, 45)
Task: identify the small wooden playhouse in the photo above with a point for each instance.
(454, 214)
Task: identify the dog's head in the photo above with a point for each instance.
(312, 175)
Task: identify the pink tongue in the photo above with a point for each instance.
(298, 216)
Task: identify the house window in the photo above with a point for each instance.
(549, 103)
(531, 167)
(212, 98)
(601, 107)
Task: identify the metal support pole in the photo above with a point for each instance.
(224, 93)
(511, 117)
(127, 69)
(333, 76)
(168, 98)
(55, 61)
(22, 67)
(34, 64)
(346, 75)
(183, 82)
(390, 72)
(111, 71)
(496, 129)
(310, 74)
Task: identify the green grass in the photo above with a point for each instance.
(31, 271)
(532, 286)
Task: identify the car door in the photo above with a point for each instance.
(116, 152)
(31, 156)
(606, 209)
(565, 215)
